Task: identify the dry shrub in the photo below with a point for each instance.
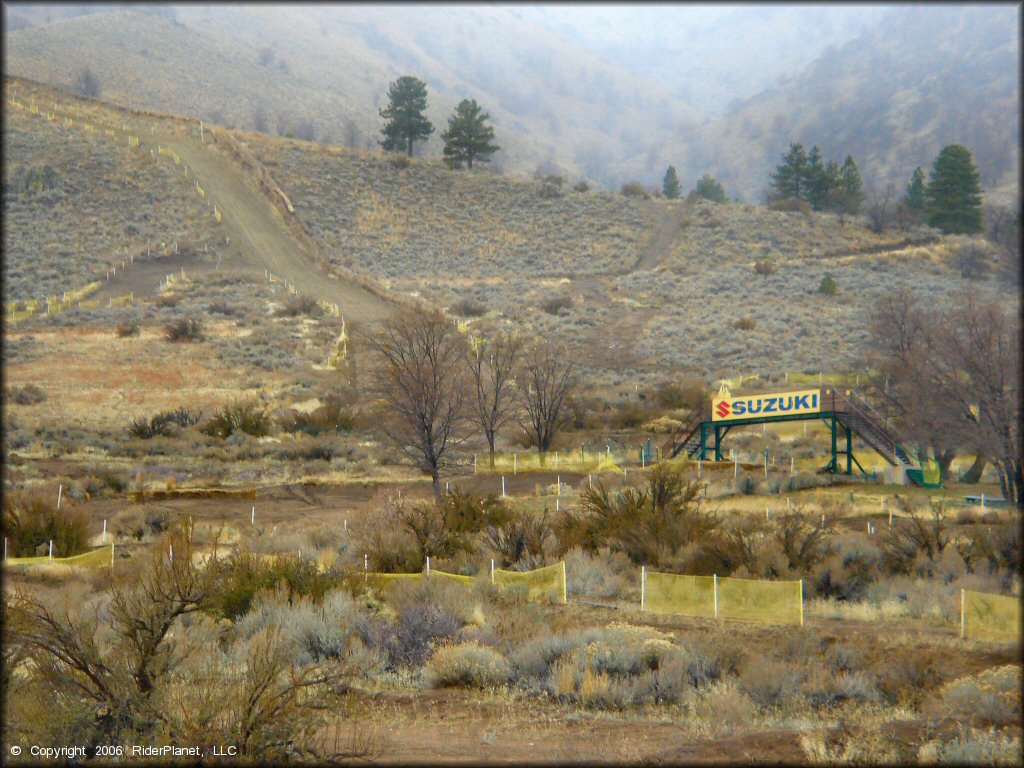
(651, 525)
(764, 267)
(184, 330)
(29, 394)
(907, 678)
(32, 520)
(248, 418)
(771, 682)
(725, 705)
(469, 665)
(300, 304)
(558, 305)
(993, 696)
(973, 746)
(239, 577)
(521, 541)
(127, 328)
(469, 308)
(914, 543)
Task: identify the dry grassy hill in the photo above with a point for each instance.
(631, 283)
(634, 286)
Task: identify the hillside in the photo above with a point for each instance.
(912, 80)
(629, 283)
(323, 72)
(632, 285)
(927, 77)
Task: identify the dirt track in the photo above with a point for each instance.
(256, 227)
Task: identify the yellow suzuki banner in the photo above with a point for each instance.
(756, 406)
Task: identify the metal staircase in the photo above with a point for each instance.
(857, 415)
(687, 437)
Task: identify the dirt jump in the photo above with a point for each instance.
(258, 229)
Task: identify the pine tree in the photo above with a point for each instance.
(916, 198)
(468, 138)
(789, 181)
(830, 186)
(710, 189)
(851, 194)
(816, 189)
(954, 192)
(670, 187)
(406, 123)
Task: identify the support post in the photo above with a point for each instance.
(428, 566)
(643, 583)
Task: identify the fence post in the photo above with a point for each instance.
(51, 549)
(366, 562)
(801, 602)
(963, 612)
(558, 487)
(715, 583)
(428, 566)
(503, 486)
(104, 540)
(111, 556)
(60, 492)
(643, 585)
(253, 519)
(735, 466)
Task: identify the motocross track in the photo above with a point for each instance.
(258, 229)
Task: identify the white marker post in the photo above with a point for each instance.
(735, 467)
(366, 562)
(492, 570)
(700, 468)
(558, 487)
(428, 566)
(345, 525)
(792, 465)
(104, 539)
(643, 586)
(714, 584)
(51, 549)
(502, 486)
(253, 518)
(60, 492)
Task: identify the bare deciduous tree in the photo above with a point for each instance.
(957, 371)
(421, 383)
(547, 376)
(492, 366)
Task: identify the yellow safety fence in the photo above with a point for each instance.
(568, 461)
(984, 616)
(543, 584)
(98, 557)
(120, 301)
(673, 593)
(771, 602)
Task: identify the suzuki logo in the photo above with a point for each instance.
(722, 409)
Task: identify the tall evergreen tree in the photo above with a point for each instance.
(816, 189)
(789, 181)
(468, 136)
(916, 198)
(954, 192)
(710, 189)
(406, 123)
(830, 186)
(851, 193)
(670, 187)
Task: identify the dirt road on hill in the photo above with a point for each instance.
(256, 227)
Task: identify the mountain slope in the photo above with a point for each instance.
(553, 105)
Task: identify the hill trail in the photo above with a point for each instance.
(258, 229)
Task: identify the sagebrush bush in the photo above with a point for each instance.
(30, 394)
(184, 329)
(32, 520)
(127, 328)
(771, 682)
(469, 307)
(249, 418)
(300, 304)
(241, 576)
(993, 695)
(468, 664)
(973, 747)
